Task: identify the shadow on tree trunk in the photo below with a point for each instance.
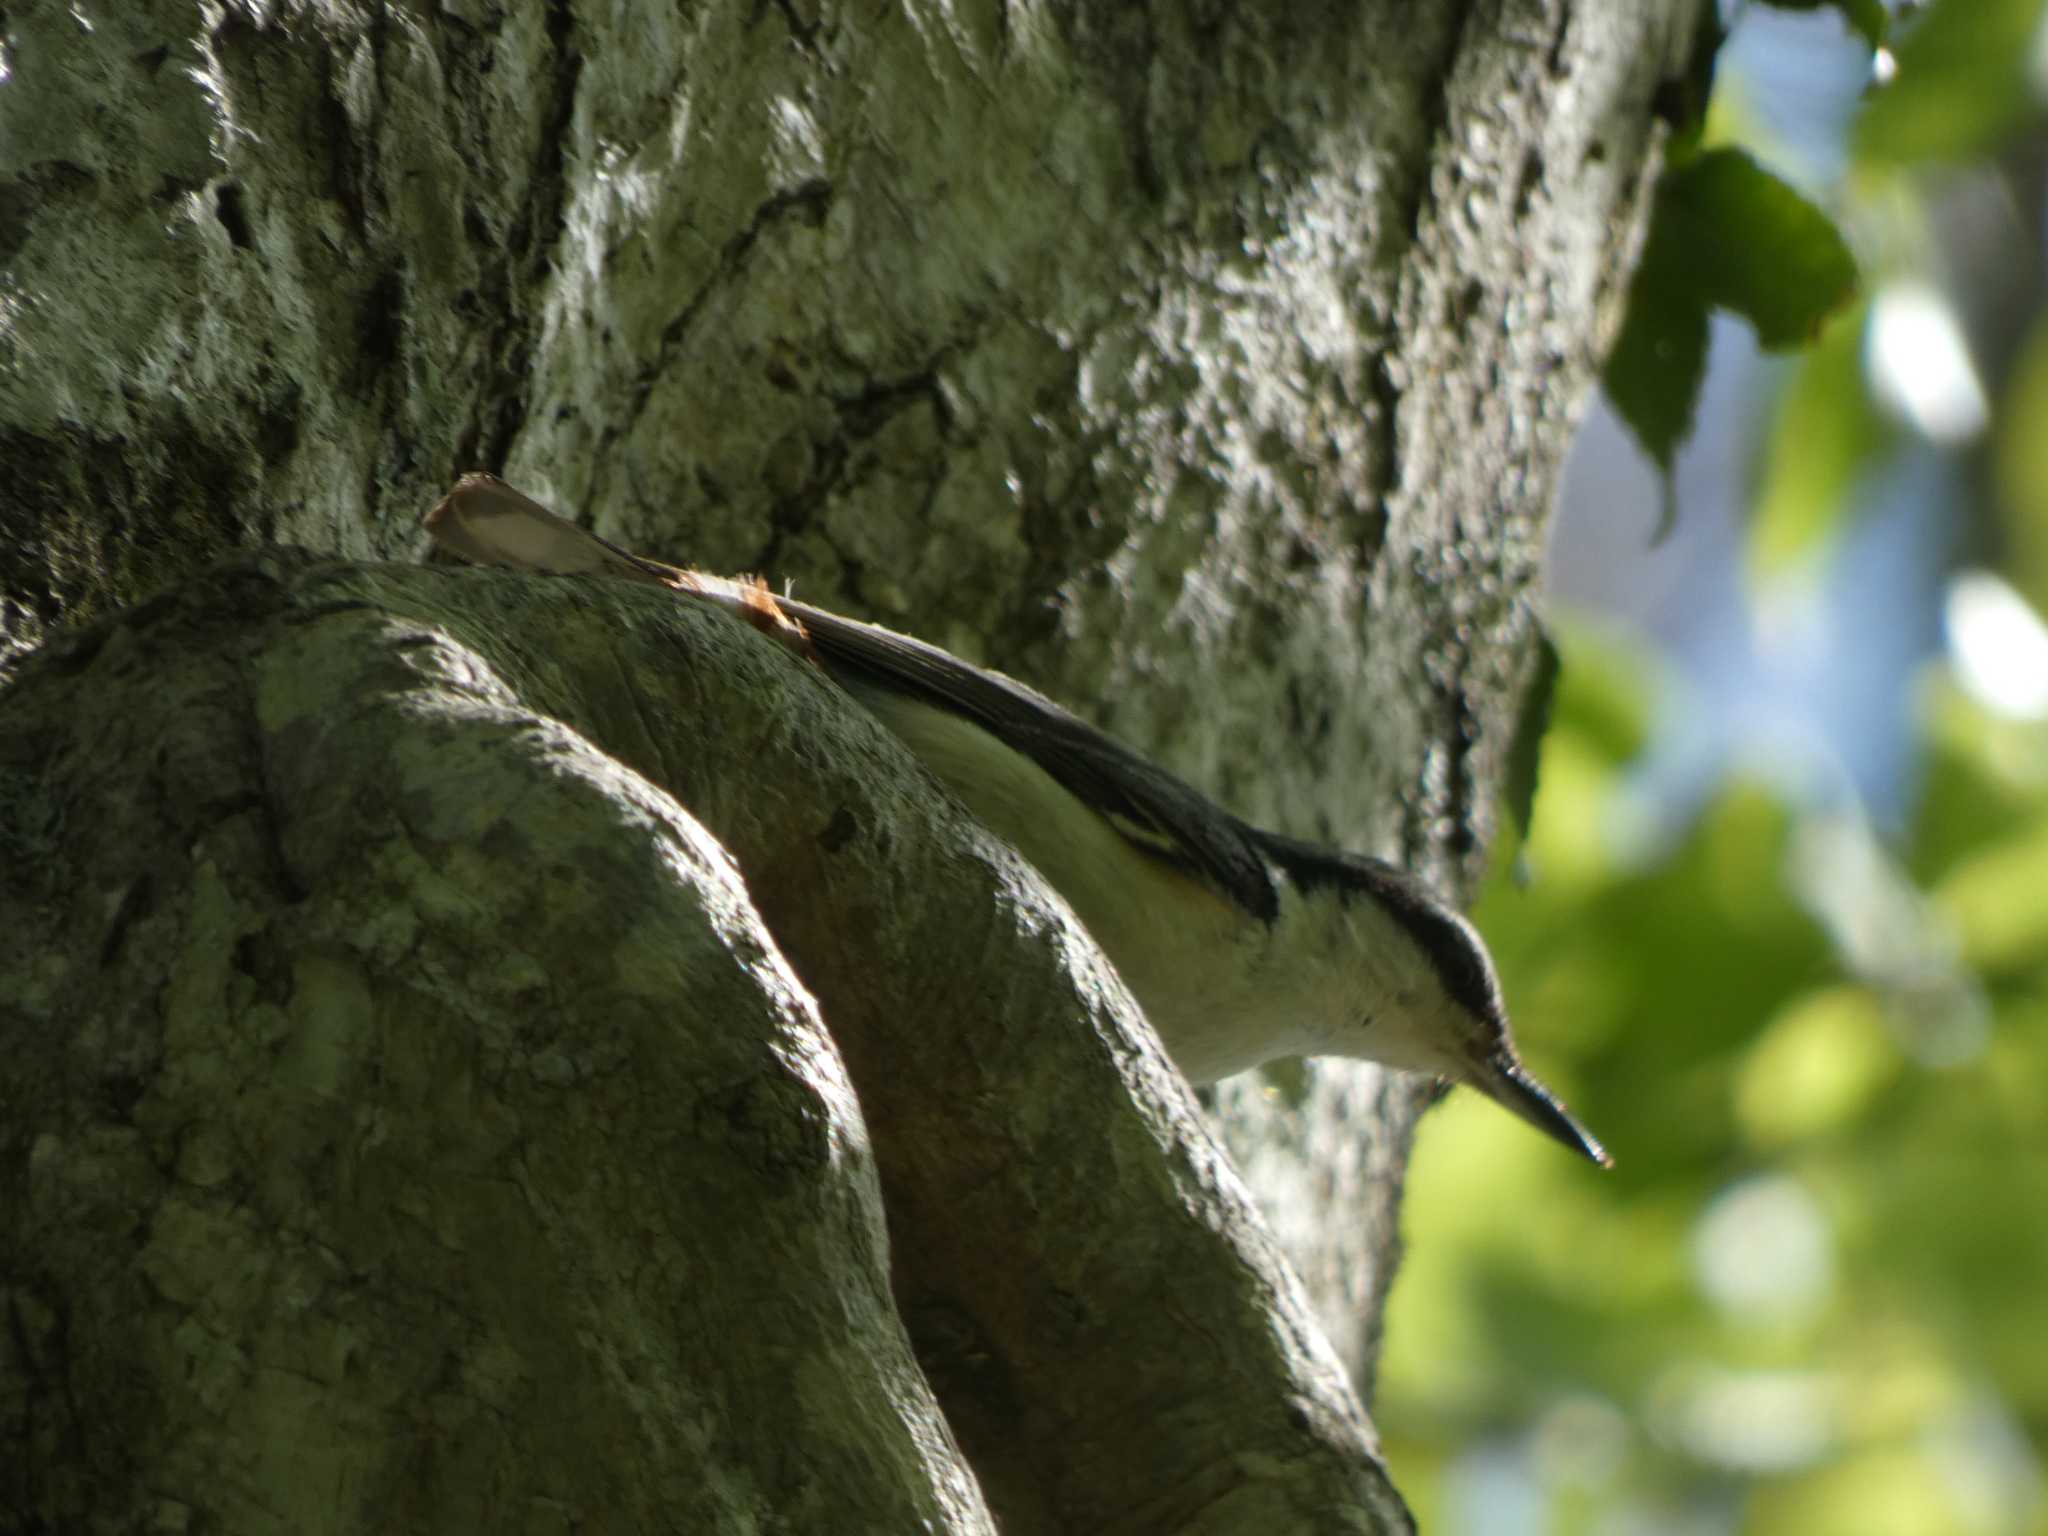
(468, 1037)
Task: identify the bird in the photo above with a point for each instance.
(1240, 945)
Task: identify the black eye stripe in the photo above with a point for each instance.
(1460, 963)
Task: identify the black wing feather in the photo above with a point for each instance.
(1137, 796)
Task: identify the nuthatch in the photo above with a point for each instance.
(1240, 945)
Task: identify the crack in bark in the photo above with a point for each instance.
(810, 200)
(531, 242)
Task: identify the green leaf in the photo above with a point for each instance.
(1868, 19)
(1532, 723)
(1682, 98)
(1961, 85)
(1727, 234)
(1755, 246)
(1659, 360)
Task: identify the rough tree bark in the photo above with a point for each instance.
(409, 1115)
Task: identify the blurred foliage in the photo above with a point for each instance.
(1968, 73)
(2021, 465)
(1826, 434)
(1812, 1297)
(1967, 79)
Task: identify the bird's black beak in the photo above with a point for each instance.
(1507, 1082)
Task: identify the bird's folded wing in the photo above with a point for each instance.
(486, 521)
(1149, 806)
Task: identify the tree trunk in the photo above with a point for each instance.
(409, 1116)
